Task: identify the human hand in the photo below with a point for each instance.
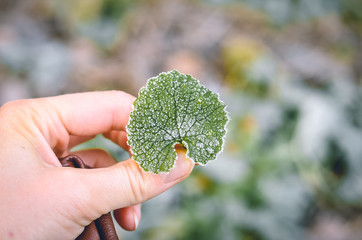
(41, 200)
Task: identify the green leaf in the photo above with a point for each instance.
(171, 109)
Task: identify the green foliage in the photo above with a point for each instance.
(173, 109)
(115, 9)
(352, 14)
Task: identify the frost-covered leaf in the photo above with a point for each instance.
(171, 109)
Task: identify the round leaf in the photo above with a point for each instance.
(171, 109)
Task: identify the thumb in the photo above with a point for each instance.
(126, 184)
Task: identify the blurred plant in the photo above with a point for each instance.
(292, 84)
(247, 66)
(351, 14)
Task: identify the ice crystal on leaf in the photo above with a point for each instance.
(171, 109)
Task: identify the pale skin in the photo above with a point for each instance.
(41, 200)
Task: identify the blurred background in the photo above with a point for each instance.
(290, 72)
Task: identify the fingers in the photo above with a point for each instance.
(91, 113)
(128, 217)
(56, 124)
(82, 114)
(126, 184)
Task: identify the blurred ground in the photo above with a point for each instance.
(290, 72)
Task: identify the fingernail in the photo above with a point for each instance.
(137, 215)
(136, 221)
(182, 168)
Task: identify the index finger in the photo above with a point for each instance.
(81, 114)
(91, 113)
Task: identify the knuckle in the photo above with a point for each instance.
(136, 183)
(18, 107)
(11, 106)
(20, 114)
